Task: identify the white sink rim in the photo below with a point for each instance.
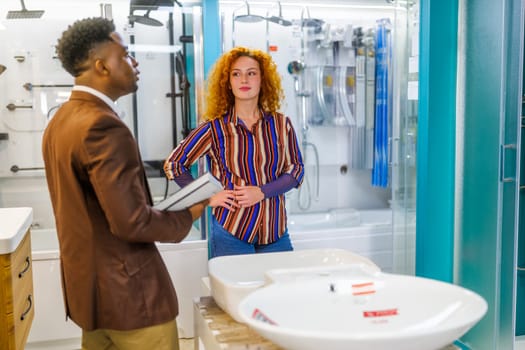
(458, 328)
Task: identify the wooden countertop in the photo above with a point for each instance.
(218, 330)
(14, 223)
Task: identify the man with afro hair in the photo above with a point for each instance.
(115, 284)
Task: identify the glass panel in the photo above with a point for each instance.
(327, 58)
(337, 36)
(34, 84)
(404, 128)
(487, 240)
(520, 288)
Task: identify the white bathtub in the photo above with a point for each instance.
(187, 263)
(364, 232)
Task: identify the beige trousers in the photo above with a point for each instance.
(160, 337)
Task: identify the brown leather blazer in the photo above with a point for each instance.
(113, 276)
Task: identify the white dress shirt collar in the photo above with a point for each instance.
(98, 94)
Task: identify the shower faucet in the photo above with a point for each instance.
(296, 68)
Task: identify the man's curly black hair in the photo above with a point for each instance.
(79, 38)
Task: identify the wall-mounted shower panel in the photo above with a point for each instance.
(321, 98)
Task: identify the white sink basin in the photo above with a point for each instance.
(234, 277)
(356, 310)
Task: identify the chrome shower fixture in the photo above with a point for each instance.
(279, 19)
(24, 13)
(295, 67)
(2, 68)
(13, 107)
(30, 87)
(310, 22)
(145, 19)
(248, 17)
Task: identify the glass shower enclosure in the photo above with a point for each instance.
(350, 74)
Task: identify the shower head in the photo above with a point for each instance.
(279, 19)
(24, 13)
(146, 20)
(2, 68)
(313, 22)
(248, 17)
(310, 22)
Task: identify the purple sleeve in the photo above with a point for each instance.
(183, 179)
(281, 185)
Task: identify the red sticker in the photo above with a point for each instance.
(260, 316)
(363, 288)
(380, 313)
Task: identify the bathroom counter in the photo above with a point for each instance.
(216, 330)
(14, 223)
(16, 273)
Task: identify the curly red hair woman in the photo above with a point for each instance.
(220, 97)
(251, 148)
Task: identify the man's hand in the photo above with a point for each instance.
(197, 209)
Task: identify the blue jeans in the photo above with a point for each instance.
(222, 242)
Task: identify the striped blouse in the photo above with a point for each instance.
(239, 156)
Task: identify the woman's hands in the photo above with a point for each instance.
(247, 196)
(224, 198)
(240, 197)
